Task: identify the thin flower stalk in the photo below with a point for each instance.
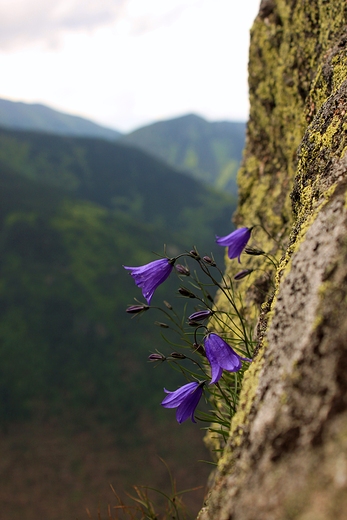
(240, 332)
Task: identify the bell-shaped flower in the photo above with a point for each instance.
(185, 399)
(235, 242)
(221, 357)
(149, 276)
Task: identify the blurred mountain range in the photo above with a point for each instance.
(27, 116)
(211, 152)
(73, 365)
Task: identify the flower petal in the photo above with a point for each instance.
(175, 398)
(188, 406)
(149, 276)
(211, 348)
(216, 373)
(185, 399)
(221, 357)
(235, 241)
(246, 359)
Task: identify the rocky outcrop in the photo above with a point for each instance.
(286, 457)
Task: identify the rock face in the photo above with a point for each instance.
(286, 457)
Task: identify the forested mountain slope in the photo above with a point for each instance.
(72, 212)
(211, 151)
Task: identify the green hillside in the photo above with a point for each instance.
(70, 358)
(72, 211)
(211, 152)
(63, 293)
(37, 117)
(122, 179)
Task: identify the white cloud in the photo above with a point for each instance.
(129, 62)
(24, 22)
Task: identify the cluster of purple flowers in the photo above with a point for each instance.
(219, 353)
(221, 357)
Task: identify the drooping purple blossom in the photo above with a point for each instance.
(149, 276)
(236, 241)
(221, 356)
(185, 399)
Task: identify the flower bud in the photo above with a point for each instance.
(136, 309)
(254, 251)
(194, 254)
(243, 274)
(209, 261)
(161, 324)
(177, 355)
(193, 323)
(199, 348)
(185, 292)
(168, 305)
(156, 357)
(199, 315)
(182, 269)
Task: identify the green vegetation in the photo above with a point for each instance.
(210, 152)
(72, 212)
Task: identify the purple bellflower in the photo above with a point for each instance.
(236, 241)
(221, 357)
(185, 399)
(150, 276)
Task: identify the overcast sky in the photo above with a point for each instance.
(126, 63)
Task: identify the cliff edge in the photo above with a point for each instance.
(286, 456)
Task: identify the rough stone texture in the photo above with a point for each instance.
(286, 457)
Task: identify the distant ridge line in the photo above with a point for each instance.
(18, 115)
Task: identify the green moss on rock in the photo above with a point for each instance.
(293, 171)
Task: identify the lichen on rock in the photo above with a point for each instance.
(286, 457)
